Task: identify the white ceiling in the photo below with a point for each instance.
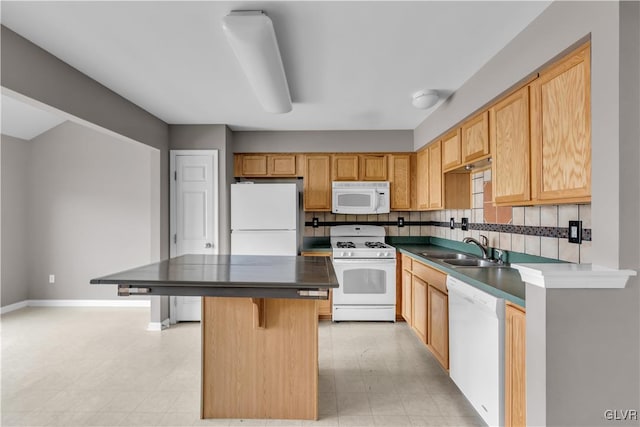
(24, 121)
(350, 65)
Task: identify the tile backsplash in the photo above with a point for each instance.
(535, 230)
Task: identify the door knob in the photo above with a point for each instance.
(208, 245)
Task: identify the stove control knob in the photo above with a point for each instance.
(380, 254)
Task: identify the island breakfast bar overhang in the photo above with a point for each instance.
(259, 327)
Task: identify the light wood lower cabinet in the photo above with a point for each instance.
(407, 279)
(419, 308)
(438, 324)
(325, 306)
(425, 306)
(515, 366)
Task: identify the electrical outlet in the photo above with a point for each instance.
(400, 221)
(465, 224)
(575, 232)
(315, 223)
(452, 223)
(52, 278)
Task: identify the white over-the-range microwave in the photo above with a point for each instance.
(360, 197)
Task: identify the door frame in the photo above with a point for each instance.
(173, 225)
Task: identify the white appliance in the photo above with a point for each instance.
(476, 348)
(355, 197)
(366, 270)
(264, 219)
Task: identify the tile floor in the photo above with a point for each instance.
(99, 367)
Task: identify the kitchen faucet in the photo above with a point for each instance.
(483, 245)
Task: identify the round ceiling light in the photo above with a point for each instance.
(425, 99)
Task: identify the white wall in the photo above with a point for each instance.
(91, 200)
(322, 141)
(14, 281)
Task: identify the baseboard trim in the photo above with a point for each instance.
(158, 326)
(74, 303)
(13, 307)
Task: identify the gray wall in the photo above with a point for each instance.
(318, 141)
(33, 72)
(585, 375)
(90, 205)
(15, 176)
(211, 137)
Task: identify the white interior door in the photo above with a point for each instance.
(194, 216)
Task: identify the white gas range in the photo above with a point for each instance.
(366, 270)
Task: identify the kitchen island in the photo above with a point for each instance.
(259, 327)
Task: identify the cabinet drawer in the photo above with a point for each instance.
(434, 277)
(407, 262)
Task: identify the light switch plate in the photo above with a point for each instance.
(575, 232)
(452, 223)
(465, 224)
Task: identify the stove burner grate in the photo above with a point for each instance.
(345, 245)
(376, 245)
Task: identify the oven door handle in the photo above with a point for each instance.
(364, 261)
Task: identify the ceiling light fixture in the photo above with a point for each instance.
(250, 33)
(425, 99)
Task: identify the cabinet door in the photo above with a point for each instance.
(282, 165)
(406, 296)
(400, 180)
(317, 182)
(422, 179)
(515, 413)
(451, 151)
(561, 131)
(373, 167)
(475, 138)
(435, 176)
(345, 167)
(438, 325)
(254, 165)
(419, 309)
(510, 145)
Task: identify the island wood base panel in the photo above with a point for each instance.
(266, 369)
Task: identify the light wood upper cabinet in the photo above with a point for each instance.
(422, 179)
(510, 145)
(515, 381)
(438, 324)
(253, 165)
(475, 138)
(451, 151)
(400, 180)
(435, 176)
(373, 167)
(419, 307)
(317, 182)
(561, 131)
(267, 165)
(345, 167)
(281, 164)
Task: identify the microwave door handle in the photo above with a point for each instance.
(376, 203)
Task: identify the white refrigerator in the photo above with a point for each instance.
(264, 219)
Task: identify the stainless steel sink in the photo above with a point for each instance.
(472, 262)
(443, 256)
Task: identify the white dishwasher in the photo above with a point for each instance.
(476, 348)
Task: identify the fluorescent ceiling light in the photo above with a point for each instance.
(251, 35)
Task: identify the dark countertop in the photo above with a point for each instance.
(500, 282)
(228, 275)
